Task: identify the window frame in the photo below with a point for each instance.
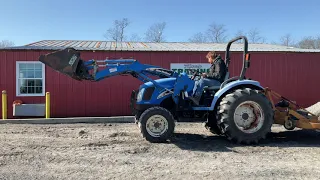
(18, 94)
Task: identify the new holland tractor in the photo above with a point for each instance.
(238, 109)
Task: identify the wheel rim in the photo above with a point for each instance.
(288, 124)
(156, 125)
(249, 117)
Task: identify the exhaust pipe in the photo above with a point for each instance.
(67, 62)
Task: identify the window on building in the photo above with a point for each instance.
(30, 77)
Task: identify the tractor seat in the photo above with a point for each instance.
(215, 88)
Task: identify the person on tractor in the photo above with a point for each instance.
(214, 78)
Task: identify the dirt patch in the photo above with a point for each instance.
(82, 132)
(118, 151)
(118, 134)
(96, 144)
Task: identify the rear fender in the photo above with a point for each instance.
(227, 88)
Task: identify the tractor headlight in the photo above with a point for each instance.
(140, 94)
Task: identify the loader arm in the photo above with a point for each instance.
(130, 67)
(68, 62)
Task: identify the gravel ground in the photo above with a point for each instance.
(117, 151)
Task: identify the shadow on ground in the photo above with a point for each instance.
(298, 138)
(198, 142)
(285, 139)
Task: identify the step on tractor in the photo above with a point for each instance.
(240, 109)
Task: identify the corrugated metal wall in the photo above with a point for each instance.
(293, 75)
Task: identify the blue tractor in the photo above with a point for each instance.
(238, 109)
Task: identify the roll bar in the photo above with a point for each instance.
(246, 55)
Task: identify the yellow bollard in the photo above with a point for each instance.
(4, 104)
(47, 105)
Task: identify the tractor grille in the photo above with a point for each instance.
(148, 93)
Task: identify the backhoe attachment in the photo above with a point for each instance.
(291, 115)
(68, 62)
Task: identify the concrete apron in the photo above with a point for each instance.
(117, 119)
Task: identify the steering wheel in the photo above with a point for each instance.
(195, 74)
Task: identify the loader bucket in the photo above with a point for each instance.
(66, 61)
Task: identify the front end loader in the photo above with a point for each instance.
(238, 109)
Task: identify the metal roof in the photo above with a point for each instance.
(149, 46)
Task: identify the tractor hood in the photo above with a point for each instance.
(164, 82)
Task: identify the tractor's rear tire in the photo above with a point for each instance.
(245, 116)
(157, 124)
(212, 125)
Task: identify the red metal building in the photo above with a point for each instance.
(291, 72)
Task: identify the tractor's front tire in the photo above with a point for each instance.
(245, 116)
(137, 117)
(156, 124)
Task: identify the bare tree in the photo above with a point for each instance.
(217, 33)
(135, 37)
(155, 32)
(117, 32)
(240, 33)
(287, 40)
(198, 38)
(254, 36)
(317, 43)
(6, 43)
(307, 43)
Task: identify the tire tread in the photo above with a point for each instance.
(162, 111)
(225, 121)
